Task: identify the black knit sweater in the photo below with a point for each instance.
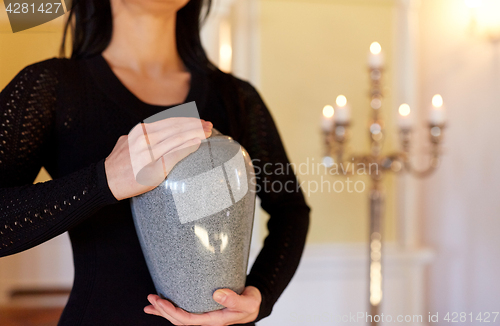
(67, 115)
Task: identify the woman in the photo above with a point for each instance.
(130, 60)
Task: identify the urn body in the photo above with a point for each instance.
(195, 228)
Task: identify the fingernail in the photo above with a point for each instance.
(219, 296)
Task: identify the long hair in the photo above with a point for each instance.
(91, 26)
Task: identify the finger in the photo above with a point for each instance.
(142, 155)
(183, 316)
(173, 126)
(162, 135)
(153, 173)
(143, 135)
(176, 142)
(136, 139)
(173, 157)
(207, 124)
(228, 298)
(226, 316)
(159, 311)
(151, 310)
(248, 301)
(219, 317)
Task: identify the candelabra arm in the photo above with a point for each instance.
(422, 173)
(435, 133)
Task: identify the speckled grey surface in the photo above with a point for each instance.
(195, 227)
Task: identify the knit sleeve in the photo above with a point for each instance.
(281, 197)
(33, 213)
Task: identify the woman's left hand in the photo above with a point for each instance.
(239, 309)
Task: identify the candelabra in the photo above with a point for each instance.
(336, 135)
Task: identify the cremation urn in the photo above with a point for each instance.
(195, 227)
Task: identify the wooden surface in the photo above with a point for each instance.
(29, 316)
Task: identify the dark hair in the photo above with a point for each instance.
(92, 28)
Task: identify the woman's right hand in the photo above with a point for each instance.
(141, 160)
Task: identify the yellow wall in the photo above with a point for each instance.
(312, 51)
(23, 48)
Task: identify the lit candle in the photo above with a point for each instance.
(327, 118)
(438, 113)
(225, 47)
(225, 56)
(342, 111)
(404, 117)
(376, 57)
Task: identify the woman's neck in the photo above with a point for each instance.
(143, 42)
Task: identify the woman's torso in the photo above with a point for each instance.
(93, 109)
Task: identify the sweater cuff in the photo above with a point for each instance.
(266, 305)
(102, 183)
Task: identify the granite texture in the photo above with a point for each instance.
(195, 227)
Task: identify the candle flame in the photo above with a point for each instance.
(375, 48)
(437, 101)
(404, 109)
(341, 101)
(225, 56)
(225, 46)
(328, 111)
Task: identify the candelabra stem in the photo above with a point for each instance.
(375, 250)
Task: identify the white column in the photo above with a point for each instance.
(246, 40)
(245, 31)
(218, 21)
(237, 23)
(406, 91)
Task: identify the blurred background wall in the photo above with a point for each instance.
(311, 52)
(317, 50)
(459, 205)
